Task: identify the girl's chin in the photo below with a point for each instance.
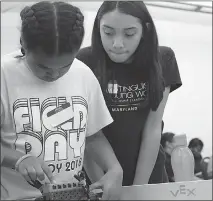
(49, 79)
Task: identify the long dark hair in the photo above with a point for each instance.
(55, 27)
(147, 54)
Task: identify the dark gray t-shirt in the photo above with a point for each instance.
(128, 103)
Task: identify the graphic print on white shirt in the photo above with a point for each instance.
(54, 130)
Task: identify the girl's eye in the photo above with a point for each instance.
(130, 32)
(129, 35)
(108, 33)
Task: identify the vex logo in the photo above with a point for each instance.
(183, 191)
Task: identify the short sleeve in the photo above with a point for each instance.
(98, 113)
(8, 134)
(170, 69)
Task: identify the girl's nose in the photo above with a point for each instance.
(118, 43)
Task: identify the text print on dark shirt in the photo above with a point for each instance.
(128, 97)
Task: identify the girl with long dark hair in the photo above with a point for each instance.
(136, 76)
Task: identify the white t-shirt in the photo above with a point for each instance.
(30, 122)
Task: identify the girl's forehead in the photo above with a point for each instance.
(51, 61)
(117, 19)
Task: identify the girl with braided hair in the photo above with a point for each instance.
(52, 106)
(136, 76)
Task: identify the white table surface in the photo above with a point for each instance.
(194, 190)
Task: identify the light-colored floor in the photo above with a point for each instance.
(189, 109)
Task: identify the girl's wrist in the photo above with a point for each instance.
(10, 157)
(20, 160)
(117, 169)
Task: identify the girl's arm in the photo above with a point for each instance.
(10, 156)
(94, 172)
(100, 151)
(150, 143)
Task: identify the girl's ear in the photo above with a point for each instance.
(148, 26)
(21, 42)
(23, 49)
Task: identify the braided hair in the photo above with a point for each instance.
(54, 27)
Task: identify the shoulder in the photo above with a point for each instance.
(81, 67)
(84, 53)
(86, 56)
(9, 68)
(170, 68)
(10, 61)
(82, 70)
(166, 53)
(167, 58)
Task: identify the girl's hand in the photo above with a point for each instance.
(110, 183)
(32, 169)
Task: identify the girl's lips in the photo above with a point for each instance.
(50, 78)
(118, 52)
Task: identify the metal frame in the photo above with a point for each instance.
(176, 5)
(179, 5)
